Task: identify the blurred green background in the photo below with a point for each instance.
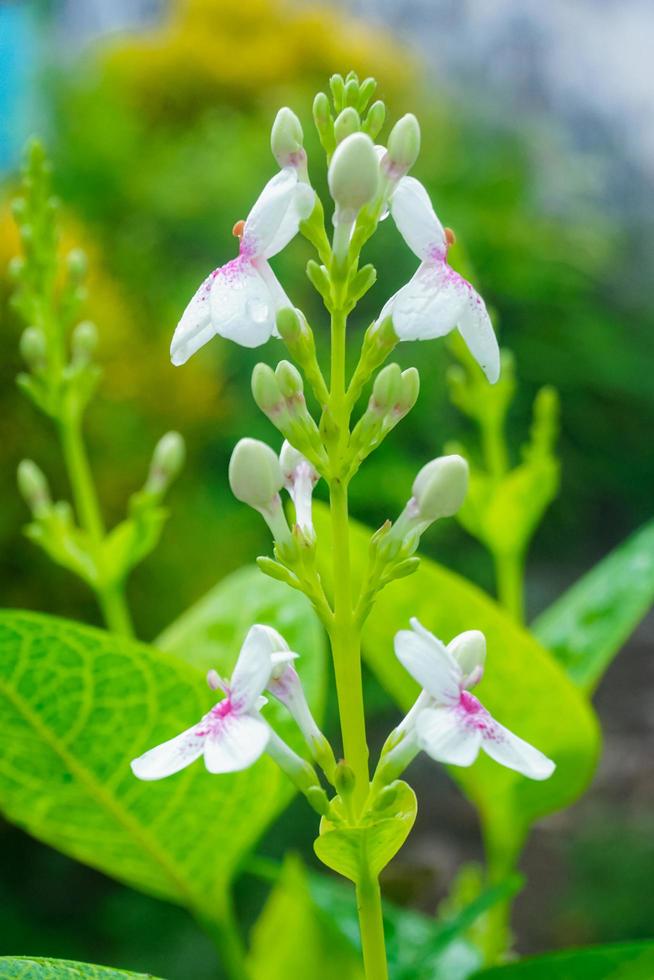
(159, 137)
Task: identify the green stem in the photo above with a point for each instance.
(371, 924)
(509, 574)
(111, 598)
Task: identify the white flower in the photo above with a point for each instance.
(437, 299)
(240, 300)
(449, 723)
(233, 735)
(300, 477)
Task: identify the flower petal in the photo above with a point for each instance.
(514, 753)
(195, 328)
(416, 220)
(428, 662)
(170, 756)
(242, 306)
(443, 736)
(477, 330)
(300, 207)
(236, 743)
(429, 305)
(469, 651)
(276, 215)
(254, 666)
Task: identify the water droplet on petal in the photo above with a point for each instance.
(257, 310)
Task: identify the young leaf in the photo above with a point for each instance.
(276, 954)
(37, 968)
(342, 848)
(588, 624)
(620, 961)
(77, 705)
(523, 687)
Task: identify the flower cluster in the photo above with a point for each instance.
(244, 302)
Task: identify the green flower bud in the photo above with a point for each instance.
(289, 324)
(33, 348)
(409, 391)
(167, 461)
(366, 92)
(386, 389)
(287, 139)
(265, 389)
(374, 120)
(353, 176)
(33, 487)
(324, 122)
(403, 147)
(351, 94)
(289, 379)
(440, 488)
(337, 87)
(344, 778)
(347, 122)
(255, 475)
(84, 342)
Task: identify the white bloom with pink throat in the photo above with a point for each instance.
(448, 722)
(240, 300)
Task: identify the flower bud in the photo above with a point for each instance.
(346, 123)
(33, 348)
(374, 120)
(265, 390)
(351, 93)
(409, 391)
(367, 89)
(386, 389)
(344, 778)
(84, 342)
(337, 86)
(287, 139)
(322, 118)
(255, 475)
(167, 461)
(33, 487)
(289, 379)
(403, 147)
(440, 487)
(353, 176)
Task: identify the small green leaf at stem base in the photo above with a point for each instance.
(363, 851)
(40, 968)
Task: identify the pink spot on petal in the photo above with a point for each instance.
(474, 715)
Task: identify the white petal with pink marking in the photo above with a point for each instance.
(514, 753)
(170, 757)
(429, 663)
(194, 328)
(416, 219)
(235, 743)
(476, 329)
(443, 736)
(430, 304)
(253, 669)
(242, 307)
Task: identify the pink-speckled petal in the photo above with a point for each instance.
(514, 753)
(171, 756)
(261, 234)
(443, 736)
(243, 308)
(194, 328)
(477, 330)
(416, 219)
(429, 663)
(429, 305)
(236, 743)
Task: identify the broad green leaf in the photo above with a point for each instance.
(77, 704)
(586, 627)
(523, 687)
(622, 961)
(36, 968)
(322, 953)
(349, 850)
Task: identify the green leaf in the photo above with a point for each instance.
(323, 952)
(36, 968)
(523, 687)
(78, 704)
(586, 627)
(351, 850)
(622, 961)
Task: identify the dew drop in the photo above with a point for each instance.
(257, 310)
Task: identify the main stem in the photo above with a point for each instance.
(111, 599)
(510, 584)
(346, 650)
